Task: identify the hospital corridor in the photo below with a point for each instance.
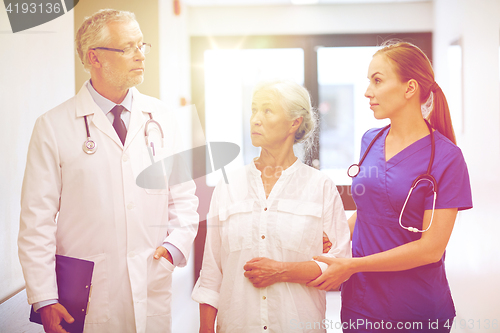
(222, 68)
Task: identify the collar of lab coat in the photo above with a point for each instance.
(85, 106)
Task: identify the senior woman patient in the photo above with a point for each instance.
(264, 227)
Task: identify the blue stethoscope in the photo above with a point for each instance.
(354, 170)
(90, 146)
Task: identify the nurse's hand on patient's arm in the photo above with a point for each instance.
(426, 250)
(163, 252)
(263, 272)
(338, 271)
(327, 245)
(52, 315)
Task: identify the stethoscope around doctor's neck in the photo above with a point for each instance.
(354, 170)
(90, 146)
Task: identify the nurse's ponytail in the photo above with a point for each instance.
(439, 116)
(411, 63)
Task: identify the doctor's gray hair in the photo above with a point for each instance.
(94, 31)
(296, 102)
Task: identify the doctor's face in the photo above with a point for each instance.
(118, 70)
(385, 91)
(269, 124)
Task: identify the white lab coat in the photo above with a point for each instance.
(89, 207)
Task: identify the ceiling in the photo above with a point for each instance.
(203, 3)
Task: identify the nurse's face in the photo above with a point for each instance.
(385, 91)
(269, 124)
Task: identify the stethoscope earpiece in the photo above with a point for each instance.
(353, 170)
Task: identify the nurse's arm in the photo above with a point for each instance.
(352, 222)
(426, 250)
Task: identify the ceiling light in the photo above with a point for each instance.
(304, 2)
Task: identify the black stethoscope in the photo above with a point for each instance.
(354, 170)
(90, 147)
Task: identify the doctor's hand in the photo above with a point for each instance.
(338, 271)
(52, 315)
(163, 252)
(263, 272)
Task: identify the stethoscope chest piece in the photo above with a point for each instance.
(89, 146)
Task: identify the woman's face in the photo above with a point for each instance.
(385, 91)
(269, 124)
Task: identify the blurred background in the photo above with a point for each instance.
(210, 53)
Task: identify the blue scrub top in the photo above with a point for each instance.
(379, 191)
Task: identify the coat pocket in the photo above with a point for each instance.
(159, 287)
(98, 309)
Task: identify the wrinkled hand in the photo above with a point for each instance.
(163, 252)
(327, 245)
(52, 315)
(263, 272)
(338, 271)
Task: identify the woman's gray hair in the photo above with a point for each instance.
(296, 102)
(94, 31)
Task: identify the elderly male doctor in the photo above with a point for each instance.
(86, 204)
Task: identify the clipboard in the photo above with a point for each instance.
(74, 284)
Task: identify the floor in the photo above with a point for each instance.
(14, 316)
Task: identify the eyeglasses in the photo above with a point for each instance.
(128, 51)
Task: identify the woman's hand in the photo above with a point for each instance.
(263, 272)
(338, 271)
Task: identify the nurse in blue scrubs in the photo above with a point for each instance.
(396, 279)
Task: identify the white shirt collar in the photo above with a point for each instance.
(105, 104)
(291, 169)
